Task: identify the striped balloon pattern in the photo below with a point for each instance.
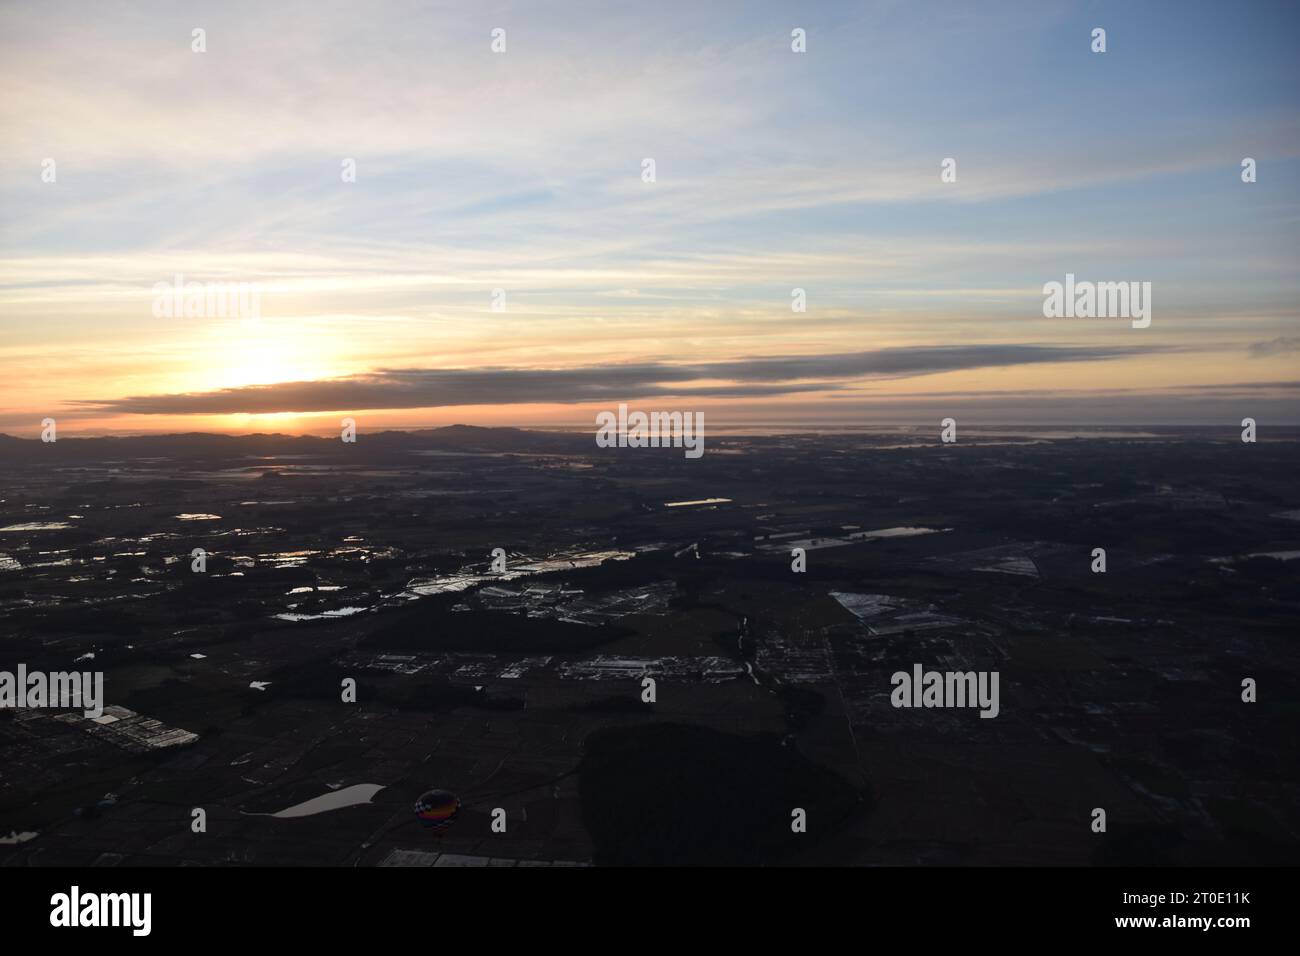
(437, 808)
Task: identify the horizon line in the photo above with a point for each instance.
(772, 429)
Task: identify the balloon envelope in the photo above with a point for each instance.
(437, 808)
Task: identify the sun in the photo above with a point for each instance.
(264, 352)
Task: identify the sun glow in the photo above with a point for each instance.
(262, 352)
(269, 422)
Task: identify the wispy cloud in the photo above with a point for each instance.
(1281, 345)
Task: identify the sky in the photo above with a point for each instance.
(522, 171)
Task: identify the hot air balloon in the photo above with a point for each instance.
(437, 808)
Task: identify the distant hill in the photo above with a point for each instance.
(205, 445)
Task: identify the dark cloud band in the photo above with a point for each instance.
(742, 378)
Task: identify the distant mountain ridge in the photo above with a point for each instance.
(200, 445)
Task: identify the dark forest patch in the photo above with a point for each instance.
(678, 794)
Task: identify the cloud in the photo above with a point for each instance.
(1278, 346)
(741, 378)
